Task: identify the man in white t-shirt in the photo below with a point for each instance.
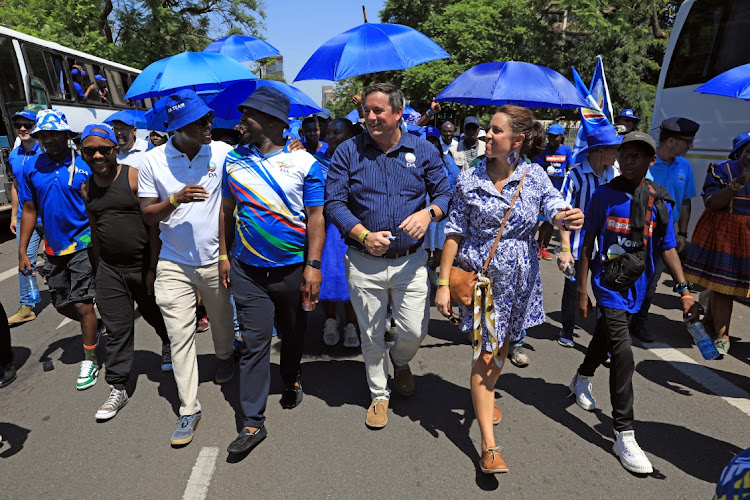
(179, 187)
(132, 149)
(467, 150)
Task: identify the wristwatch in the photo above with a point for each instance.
(315, 264)
(433, 215)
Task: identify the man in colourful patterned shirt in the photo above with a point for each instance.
(271, 236)
(51, 187)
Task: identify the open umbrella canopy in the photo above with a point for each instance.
(513, 82)
(225, 103)
(198, 71)
(369, 48)
(126, 114)
(734, 82)
(243, 48)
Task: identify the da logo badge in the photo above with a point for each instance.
(410, 160)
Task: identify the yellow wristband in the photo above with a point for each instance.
(223, 257)
(14, 218)
(363, 235)
(444, 282)
(565, 249)
(172, 201)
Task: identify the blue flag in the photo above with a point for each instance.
(592, 117)
(600, 91)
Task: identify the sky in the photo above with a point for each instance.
(298, 27)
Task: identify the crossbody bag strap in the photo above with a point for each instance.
(649, 211)
(505, 220)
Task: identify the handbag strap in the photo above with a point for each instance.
(505, 220)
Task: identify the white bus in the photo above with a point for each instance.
(35, 71)
(708, 38)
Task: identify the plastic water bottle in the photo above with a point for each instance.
(33, 294)
(570, 269)
(307, 303)
(702, 340)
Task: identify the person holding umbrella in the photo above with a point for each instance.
(483, 197)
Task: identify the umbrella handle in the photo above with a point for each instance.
(364, 13)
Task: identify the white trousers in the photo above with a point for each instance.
(373, 282)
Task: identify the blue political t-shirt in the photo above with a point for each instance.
(556, 163)
(608, 219)
(61, 206)
(677, 177)
(18, 159)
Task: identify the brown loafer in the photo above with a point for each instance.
(377, 414)
(491, 462)
(496, 415)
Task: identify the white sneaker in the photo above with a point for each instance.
(331, 332)
(116, 400)
(581, 387)
(351, 337)
(631, 455)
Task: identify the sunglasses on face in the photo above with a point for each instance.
(102, 150)
(205, 121)
(20, 125)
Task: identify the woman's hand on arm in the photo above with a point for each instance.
(570, 219)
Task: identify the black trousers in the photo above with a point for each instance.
(612, 335)
(116, 291)
(6, 354)
(263, 295)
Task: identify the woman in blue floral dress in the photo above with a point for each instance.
(483, 196)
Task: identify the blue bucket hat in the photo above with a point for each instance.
(52, 120)
(270, 101)
(628, 113)
(601, 137)
(183, 108)
(737, 144)
(99, 130)
(26, 113)
(556, 129)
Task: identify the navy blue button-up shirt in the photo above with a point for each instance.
(366, 185)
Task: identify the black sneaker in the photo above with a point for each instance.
(638, 330)
(7, 373)
(246, 441)
(291, 397)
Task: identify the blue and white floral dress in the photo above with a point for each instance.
(476, 214)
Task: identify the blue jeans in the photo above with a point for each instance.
(32, 252)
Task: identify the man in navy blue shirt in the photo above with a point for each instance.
(375, 195)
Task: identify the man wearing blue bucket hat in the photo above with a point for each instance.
(179, 189)
(51, 187)
(596, 169)
(626, 121)
(23, 122)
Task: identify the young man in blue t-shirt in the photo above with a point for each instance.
(51, 187)
(556, 160)
(616, 221)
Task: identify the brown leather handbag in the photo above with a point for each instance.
(462, 283)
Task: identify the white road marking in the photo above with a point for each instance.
(704, 376)
(9, 274)
(63, 323)
(203, 471)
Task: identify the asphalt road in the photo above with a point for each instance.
(690, 420)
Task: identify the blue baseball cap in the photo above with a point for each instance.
(325, 114)
(628, 113)
(183, 108)
(556, 129)
(431, 131)
(121, 116)
(26, 113)
(52, 120)
(599, 138)
(737, 144)
(77, 72)
(99, 130)
(100, 78)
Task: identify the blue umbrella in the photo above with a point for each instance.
(370, 48)
(243, 48)
(225, 104)
(199, 71)
(513, 82)
(734, 82)
(126, 114)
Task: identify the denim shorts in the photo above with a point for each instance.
(71, 278)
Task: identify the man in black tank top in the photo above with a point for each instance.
(121, 260)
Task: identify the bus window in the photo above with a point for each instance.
(116, 90)
(710, 41)
(11, 87)
(101, 82)
(88, 79)
(48, 68)
(57, 70)
(126, 82)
